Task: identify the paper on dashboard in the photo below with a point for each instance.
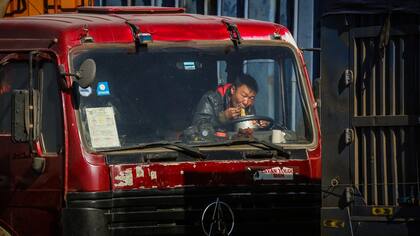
(102, 127)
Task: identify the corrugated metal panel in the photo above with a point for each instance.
(386, 115)
(280, 11)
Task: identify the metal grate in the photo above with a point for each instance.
(386, 117)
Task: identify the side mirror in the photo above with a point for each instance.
(85, 75)
(25, 118)
(26, 122)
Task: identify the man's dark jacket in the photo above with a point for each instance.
(210, 109)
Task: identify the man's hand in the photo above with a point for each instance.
(232, 113)
(261, 123)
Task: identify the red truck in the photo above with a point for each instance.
(97, 135)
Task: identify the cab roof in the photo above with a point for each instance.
(112, 25)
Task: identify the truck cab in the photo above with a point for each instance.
(98, 133)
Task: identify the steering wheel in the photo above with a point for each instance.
(270, 121)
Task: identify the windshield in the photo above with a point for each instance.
(192, 93)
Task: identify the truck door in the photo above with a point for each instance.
(370, 120)
(31, 179)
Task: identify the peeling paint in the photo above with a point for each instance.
(153, 175)
(139, 172)
(126, 178)
(156, 175)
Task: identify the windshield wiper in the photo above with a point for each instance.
(175, 145)
(252, 142)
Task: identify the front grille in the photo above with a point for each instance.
(263, 210)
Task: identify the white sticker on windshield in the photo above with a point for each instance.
(85, 92)
(189, 65)
(275, 173)
(102, 127)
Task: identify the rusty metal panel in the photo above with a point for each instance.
(386, 115)
(370, 123)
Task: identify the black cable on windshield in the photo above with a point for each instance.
(234, 34)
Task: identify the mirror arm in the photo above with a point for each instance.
(85, 75)
(76, 75)
(64, 84)
(38, 162)
(64, 73)
(29, 121)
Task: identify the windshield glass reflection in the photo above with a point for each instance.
(192, 94)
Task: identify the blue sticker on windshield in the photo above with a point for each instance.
(102, 89)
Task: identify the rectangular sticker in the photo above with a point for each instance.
(275, 173)
(102, 127)
(189, 65)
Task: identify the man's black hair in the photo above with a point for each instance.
(249, 81)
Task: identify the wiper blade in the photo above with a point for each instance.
(253, 142)
(176, 146)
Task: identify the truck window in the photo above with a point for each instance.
(52, 118)
(14, 76)
(153, 95)
(279, 94)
